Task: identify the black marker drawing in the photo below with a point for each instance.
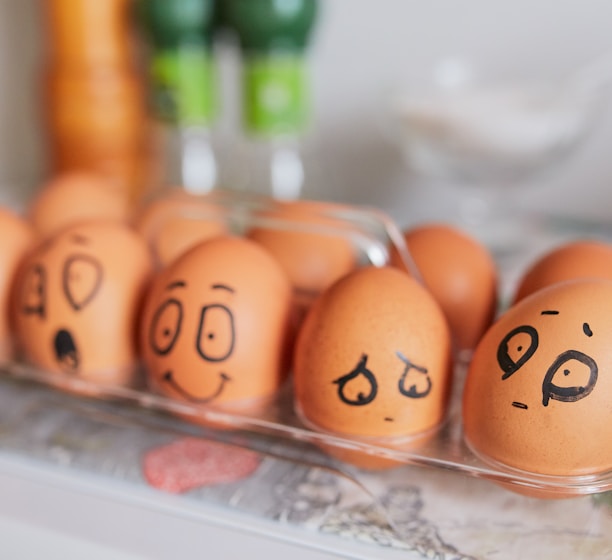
(177, 284)
(572, 393)
(81, 280)
(223, 287)
(518, 404)
(34, 294)
(359, 370)
(587, 330)
(549, 312)
(168, 377)
(505, 361)
(66, 352)
(216, 333)
(412, 391)
(166, 326)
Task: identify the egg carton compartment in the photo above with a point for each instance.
(277, 423)
(278, 426)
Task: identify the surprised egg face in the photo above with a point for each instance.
(537, 395)
(215, 327)
(77, 300)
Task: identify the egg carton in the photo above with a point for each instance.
(279, 423)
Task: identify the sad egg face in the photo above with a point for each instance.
(77, 301)
(372, 358)
(215, 328)
(538, 389)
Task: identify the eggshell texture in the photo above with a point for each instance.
(16, 237)
(215, 326)
(576, 259)
(461, 275)
(309, 243)
(373, 357)
(76, 197)
(177, 222)
(77, 299)
(538, 390)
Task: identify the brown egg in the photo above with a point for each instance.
(17, 237)
(178, 221)
(76, 197)
(310, 243)
(576, 259)
(372, 358)
(215, 326)
(461, 275)
(537, 394)
(77, 298)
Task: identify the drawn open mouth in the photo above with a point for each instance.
(168, 377)
(66, 352)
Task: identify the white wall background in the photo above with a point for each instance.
(364, 49)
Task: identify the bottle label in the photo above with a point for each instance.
(275, 95)
(183, 88)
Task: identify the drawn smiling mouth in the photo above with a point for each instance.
(66, 352)
(168, 377)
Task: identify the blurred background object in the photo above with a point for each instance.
(93, 111)
(492, 140)
(274, 36)
(178, 39)
(356, 67)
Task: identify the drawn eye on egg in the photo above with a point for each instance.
(570, 377)
(81, 280)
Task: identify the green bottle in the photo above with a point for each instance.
(274, 36)
(182, 83)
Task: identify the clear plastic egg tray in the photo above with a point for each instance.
(276, 427)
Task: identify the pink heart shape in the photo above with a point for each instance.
(190, 463)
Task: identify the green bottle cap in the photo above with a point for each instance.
(268, 25)
(274, 35)
(182, 68)
(170, 23)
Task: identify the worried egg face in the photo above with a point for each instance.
(78, 295)
(215, 327)
(373, 356)
(538, 389)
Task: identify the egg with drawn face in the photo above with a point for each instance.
(373, 357)
(538, 391)
(16, 238)
(215, 328)
(77, 299)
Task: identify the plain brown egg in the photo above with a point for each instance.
(461, 275)
(575, 259)
(215, 328)
(309, 242)
(372, 358)
(178, 221)
(76, 197)
(77, 299)
(537, 393)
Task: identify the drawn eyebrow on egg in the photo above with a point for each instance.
(549, 312)
(177, 284)
(222, 287)
(80, 239)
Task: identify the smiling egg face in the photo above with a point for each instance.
(373, 357)
(77, 298)
(538, 392)
(216, 324)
